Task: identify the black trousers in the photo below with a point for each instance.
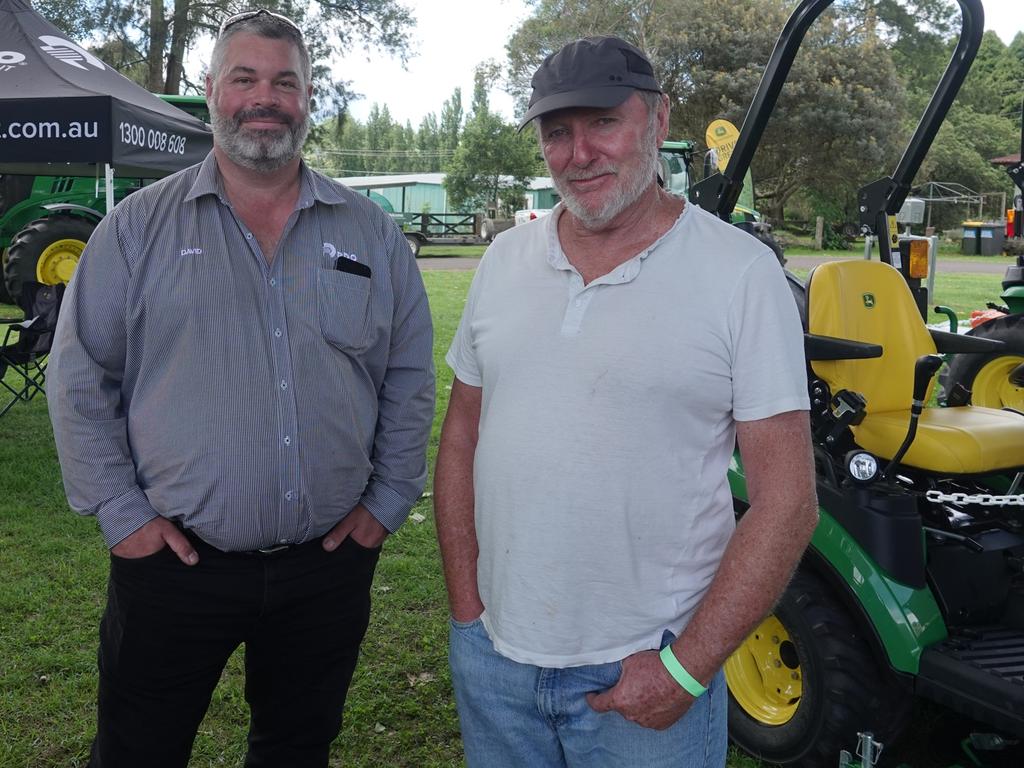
(169, 629)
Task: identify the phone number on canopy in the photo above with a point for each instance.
(148, 138)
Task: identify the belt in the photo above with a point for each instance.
(269, 551)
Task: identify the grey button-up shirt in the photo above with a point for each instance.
(255, 404)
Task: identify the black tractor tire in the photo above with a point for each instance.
(414, 245)
(5, 297)
(979, 379)
(772, 243)
(36, 241)
(763, 233)
(842, 690)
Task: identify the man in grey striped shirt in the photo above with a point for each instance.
(241, 392)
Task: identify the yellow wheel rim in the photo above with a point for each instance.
(992, 387)
(764, 674)
(57, 263)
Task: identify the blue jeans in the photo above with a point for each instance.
(520, 716)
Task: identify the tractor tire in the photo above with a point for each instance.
(414, 245)
(46, 251)
(772, 243)
(985, 379)
(804, 683)
(5, 297)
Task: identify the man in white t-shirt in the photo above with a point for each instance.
(609, 358)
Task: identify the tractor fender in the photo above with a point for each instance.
(83, 210)
(900, 621)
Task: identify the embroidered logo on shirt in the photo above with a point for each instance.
(191, 251)
(333, 253)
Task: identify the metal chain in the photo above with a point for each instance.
(983, 499)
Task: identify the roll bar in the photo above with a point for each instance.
(1017, 171)
(718, 193)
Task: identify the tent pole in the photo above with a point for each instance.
(108, 183)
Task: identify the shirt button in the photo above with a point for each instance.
(288, 496)
(283, 541)
(287, 440)
(273, 281)
(277, 332)
(284, 385)
(248, 235)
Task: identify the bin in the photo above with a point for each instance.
(983, 238)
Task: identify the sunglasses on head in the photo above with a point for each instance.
(232, 20)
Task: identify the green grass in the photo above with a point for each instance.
(464, 251)
(54, 565)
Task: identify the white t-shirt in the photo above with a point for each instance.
(607, 426)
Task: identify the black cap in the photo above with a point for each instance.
(597, 72)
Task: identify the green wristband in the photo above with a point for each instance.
(688, 682)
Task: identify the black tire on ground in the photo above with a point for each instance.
(29, 245)
(5, 297)
(772, 243)
(984, 379)
(842, 691)
(414, 245)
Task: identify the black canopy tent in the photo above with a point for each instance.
(63, 112)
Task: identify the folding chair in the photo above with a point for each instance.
(27, 342)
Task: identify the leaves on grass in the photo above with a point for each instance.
(421, 679)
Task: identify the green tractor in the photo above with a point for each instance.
(675, 172)
(913, 583)
(995, 380)
(45, 221)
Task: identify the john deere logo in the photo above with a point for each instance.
(869, 300)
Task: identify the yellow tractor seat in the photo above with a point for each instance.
(869, 301)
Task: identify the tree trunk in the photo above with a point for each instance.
(157, 45)
(179, 37)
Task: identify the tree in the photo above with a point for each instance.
(916, 33)
(428, 144)
(164, 32)
(451, 122)
(77, 18)
(961, 152)
(996, 80)
(834, 125)
(494, 163)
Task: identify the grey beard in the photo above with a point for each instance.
(258, 152)
(634, 185)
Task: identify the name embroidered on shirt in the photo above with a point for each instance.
(191, 251)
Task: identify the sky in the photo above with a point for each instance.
(453, 36)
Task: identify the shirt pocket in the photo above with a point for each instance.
(343, 304)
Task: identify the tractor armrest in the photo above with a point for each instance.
(831, 348)
(957, 343)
